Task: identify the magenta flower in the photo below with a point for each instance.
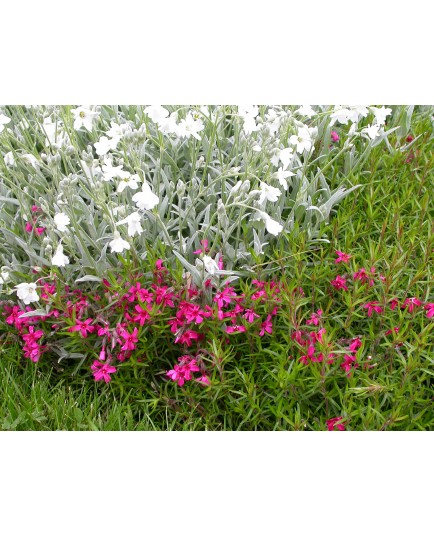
(390, 331)
(335, 424)
(373, 306)
(266, 326)
(249, 315)
(362, 275)
(394, 304)
(342, 257)
(83, 327)
(130, 339)
(411, 303)
(224, 297)
(204, 379)
(205, 247)
(429, 307)
(355, 344)
(339, 283)
(235, 328)
(142, 315)
(102, 371)
(334, 136)
(188, 337)
(349, 363)
(28, 227)
(183, 372)
(164, 295)
(315, 318)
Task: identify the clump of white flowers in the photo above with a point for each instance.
(92, 182)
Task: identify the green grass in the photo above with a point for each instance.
(388, 223)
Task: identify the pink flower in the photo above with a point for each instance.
(349, 363)
(390, 331)
(40, 230)
(315, 318)
(235, 329)
(429, 307)
(266, 326)
(205, 248)
(102, 371)
(142, 315)
(164, 295)
(204, 379)
(188, 337)
(363, 276)
(355, 344)
(342, 257)
(335, 423)
(183, 372)
(373, 306)
(225, 296)
(250, 315)
(129, 338)
(411, 303)
(339, 283)
(309, 356)
(334, 136)
(394, 303)
(83, 327)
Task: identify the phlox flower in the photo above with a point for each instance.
(84, 117)
(84, 327)
(164, 295)
(266, 326)
(225, 296)
(335, 424)
(187, 337)
(204, 379)
(411, 303)
(102, 371)
(27, 292)
(355, 344)
(183, 372)
(349, 363)
(133, 221)
(429, 307)
(250, 315)
(61, 220)
(130, 181)
(373, 306)
(339, 283)
(142, 314)
(118, 244)
(59, 259)
(334, 136)
(314, 318)
(205, 249)
(145, 199)
(342, 257)
(235, 328)
(130, 339)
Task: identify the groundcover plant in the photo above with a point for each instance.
(175, 251)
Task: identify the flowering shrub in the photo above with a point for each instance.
(80, 186)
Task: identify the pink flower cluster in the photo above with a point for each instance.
(183, 371)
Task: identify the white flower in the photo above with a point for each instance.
(169, 125)
(110, 172)
(134, 226)
(282, 176)
(190, 127)
(4, 120)
(257, 148)
(131, 182)
(145, 199)
(250, 109)
(54, 133)
(30, 159)
(9, 159)
(272, 226)
(27, 292)
(303, 140)
(91, 171)
(269, 193)
(306, 110)
(372, 131)
(118, 244)
(4, 275)
(157, 113)
(380, 114)
(59, 259)
(61, 220)
(285, 156)
(210, 265)
(356, 111)
(104, 145)
(84, 118)
(248, 113)
(340, 114)
(117, 131)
